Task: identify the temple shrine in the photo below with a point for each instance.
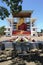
(21, 24)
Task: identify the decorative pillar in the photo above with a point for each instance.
(10, 20)
(33, 29)
(32, 20)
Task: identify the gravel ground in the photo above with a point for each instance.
(9, 62)
(5, 62)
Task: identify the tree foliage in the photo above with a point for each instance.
(41, 30)
(14, 5)
(2, 29)
(3, 13)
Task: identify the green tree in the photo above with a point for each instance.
(2, 29)
(15, 6)
(41, 30)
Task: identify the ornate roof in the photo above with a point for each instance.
(23, 14)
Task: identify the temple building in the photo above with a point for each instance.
(22, 24)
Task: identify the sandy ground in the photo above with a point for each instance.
(38, 38)
(3, 38)
(8, 62)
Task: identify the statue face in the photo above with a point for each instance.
(21, 21)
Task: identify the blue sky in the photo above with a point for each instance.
(36, 6)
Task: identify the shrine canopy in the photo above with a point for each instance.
(23, 14)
